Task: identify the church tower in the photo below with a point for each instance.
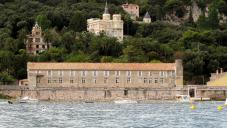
(106, 14)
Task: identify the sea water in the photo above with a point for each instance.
(109, 115)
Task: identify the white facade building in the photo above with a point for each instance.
(111, 27)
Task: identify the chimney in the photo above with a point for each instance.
(221, 70)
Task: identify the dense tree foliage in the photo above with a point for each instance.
(201, 45)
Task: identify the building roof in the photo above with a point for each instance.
(102, 66)
(147, 15)
(127, 4)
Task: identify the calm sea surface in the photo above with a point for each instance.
(110, 115)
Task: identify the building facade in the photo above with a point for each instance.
(218, 79)
(132, 9)
(35, 42)
(111, 27)
(106, 75)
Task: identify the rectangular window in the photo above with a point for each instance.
(161, 80)
(43, 46)
(128, 80)
(161, 74)
(60, 80)
(83, 73)
(125, 92)
(95, 73)
(140, 73)
(128, 73)
(72, 73)
(49, 80)
(49, 73)
(117, 73)
(173, 73)
(37, 46)
(38, 80)
(106, 73)
(150, 73)
(156, 80)
(83, 81)
(95, 81)
(55, 81)
(60, 73)
(150, 81)
(117, 80)
(105, 80)
(145, 80)
(37, 39)
(71, 80)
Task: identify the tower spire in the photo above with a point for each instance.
(106, 8)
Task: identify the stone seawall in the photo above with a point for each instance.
(108, 94)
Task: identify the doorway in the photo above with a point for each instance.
(125, 92)
(192, 92)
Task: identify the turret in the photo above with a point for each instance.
(147, 18)
(36, 30)
(116, 17)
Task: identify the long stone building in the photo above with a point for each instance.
(111, 27)
(106, 75)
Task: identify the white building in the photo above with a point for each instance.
(111, 27)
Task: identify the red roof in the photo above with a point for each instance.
(101, 66)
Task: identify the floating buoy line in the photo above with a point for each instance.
(219, 108)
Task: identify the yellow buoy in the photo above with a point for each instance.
(219, 108)
(193, 107)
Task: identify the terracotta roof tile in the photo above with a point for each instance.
(101, 66)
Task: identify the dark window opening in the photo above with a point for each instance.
(192, 92)
(107, 94)
(125, 92)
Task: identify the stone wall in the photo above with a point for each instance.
(92, 94)
(104, 94)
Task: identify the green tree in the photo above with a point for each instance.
(213, 19)
(78, 57)
(5, 78)
(78, 22)
(43, 21)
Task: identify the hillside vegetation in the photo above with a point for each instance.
(202, 44)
